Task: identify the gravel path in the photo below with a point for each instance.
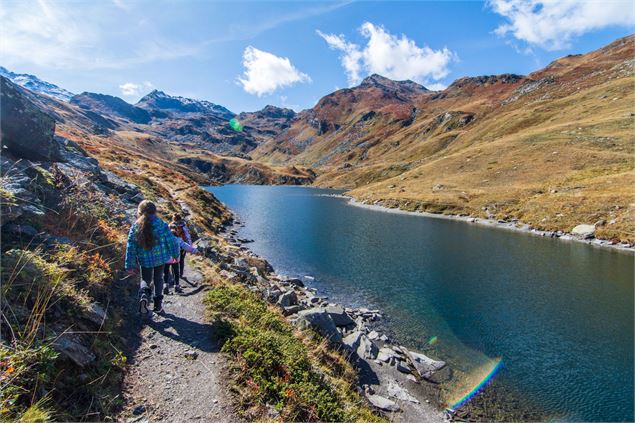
(175, 372)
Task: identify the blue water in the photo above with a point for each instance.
(560, 314)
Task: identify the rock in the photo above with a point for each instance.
(403, 368)
(70, 345)
(372, 335)
(424, 365)
(295, 282)
(139, 409)
(287, 311)
(25, 231)
(351, 341)
(396, 391)
(288, 299)
(339, 316)
(583, 231)
(26, 131)
(320, 321)
(262, 265)
(95, 313)
(272, 294)
(382, 403)
(191, 355)
(385, 354)
(367, 349)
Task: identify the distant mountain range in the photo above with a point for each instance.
(552, 148)
(34, 83)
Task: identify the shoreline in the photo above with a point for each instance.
(401, 382)
(517, 226)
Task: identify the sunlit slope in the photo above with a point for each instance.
(553, 149)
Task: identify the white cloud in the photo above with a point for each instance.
(552, 24)
(265, 72)
(130, 89)
(392, 56)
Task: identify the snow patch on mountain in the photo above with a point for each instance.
(33, 83)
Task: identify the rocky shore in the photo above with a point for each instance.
(581, 233)
(400, 382)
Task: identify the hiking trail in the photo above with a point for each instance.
(175, 371)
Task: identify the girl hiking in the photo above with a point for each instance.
(174, 264)
(150, 246)
(184, 234)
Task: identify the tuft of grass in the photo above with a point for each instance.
(278, 367)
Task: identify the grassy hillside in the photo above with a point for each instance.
(553, 149)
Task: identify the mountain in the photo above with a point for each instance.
(552, 148)
(158, 100)
(266, 123)
(34, 83)
(111, 106)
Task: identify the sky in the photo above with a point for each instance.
(245, 55)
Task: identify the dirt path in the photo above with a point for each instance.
(176, 373)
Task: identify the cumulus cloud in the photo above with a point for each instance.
(392, 56)
(552, 24)
(265, 72)
(130, 89)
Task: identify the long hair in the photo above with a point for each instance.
(145, 238)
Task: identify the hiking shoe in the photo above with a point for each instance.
(143, 305)
(166, 290)
(158, 307)
(178, 289)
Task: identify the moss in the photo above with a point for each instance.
(274, 366)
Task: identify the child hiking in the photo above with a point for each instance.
(150, 246)
(174, 264)
(184, 234)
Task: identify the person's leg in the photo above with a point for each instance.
(175, 272)
(144, 289)
(166, 279)
(182, 263)
(158, 288)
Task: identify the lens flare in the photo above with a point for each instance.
(433, 341)
(236, 125)
(479, 379)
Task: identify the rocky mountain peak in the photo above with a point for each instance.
(378, 81)
(158, 100)
(33, 83)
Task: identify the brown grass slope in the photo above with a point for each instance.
(553, 148)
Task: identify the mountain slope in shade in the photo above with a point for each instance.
(553, 148)
(34, 83)
(111, 106)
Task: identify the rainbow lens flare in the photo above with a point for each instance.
(479, 378)
(236, 125)
(433, 341)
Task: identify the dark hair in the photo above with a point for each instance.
(145, 238)
(176, 217)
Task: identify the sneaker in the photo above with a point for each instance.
(178, 289)
(158, 306)
(166, 290)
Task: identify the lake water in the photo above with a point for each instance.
(559, 314)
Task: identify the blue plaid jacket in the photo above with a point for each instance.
(165, 247)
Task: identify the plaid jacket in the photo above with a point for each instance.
(165, 247)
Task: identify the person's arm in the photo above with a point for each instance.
(171, 241)
(131, 251)
(186, 231)
(188, 247)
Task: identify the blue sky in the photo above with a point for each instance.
(245, 55)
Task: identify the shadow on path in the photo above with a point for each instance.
(196, 335)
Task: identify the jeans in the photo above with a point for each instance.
(150, 274)
(181, 264)
(175, 273)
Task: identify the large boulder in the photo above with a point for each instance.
(382, 403)
(339, 316)
(288, 299)
(583, 231)
(25, 131)
(71, 346)
(319, 320)
(424, 365)
(367, 348)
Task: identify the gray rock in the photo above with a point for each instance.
(367, 348)
(339, 316)
(403, 368)
(70, 345)
(320, 321)
(287, 311)
(191, 355)
(583, 231)
(95, 313)
(373, 335)
(424, 365)
(351, 341)
(288, 299)
(400, 393)
(385, 354)
(382, 403)
(272, 294)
